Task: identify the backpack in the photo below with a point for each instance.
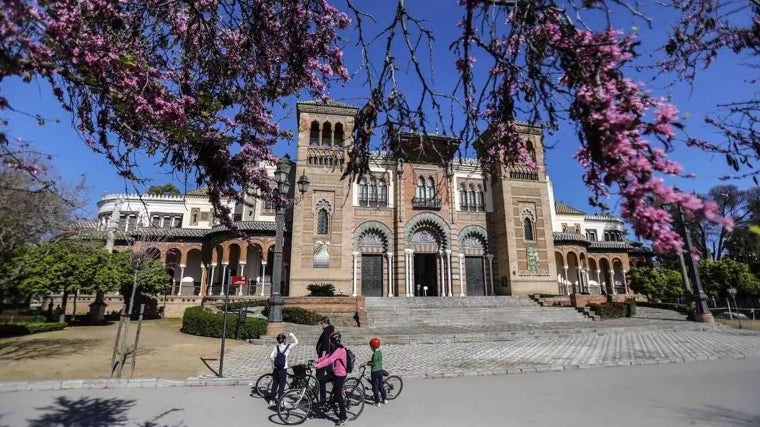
(350, 360)
(280, 359)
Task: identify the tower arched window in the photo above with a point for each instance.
(382, 196)
(528, 229)
(373, 192)
(481, 199)
(339, 135)
(363, 192)
(323, 221)
(314, 133)
(471, 197)
(462, 197)
(531, 150)
(326, 134)
(421, 188)
(431, 189)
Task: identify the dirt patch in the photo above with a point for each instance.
(85, 352)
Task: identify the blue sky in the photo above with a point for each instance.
(721, 83)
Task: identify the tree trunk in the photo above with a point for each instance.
(64, 299)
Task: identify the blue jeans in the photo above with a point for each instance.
(279, 378)
(377, 385)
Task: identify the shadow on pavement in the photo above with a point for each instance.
(205, 362)
(42, 348)
(94, 412)
(722, 416)
(84, 412)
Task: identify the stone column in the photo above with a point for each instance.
(441, 274)
(181, 277)
(390, 273)
(490, 271)
(224, 277)
(406, 272)
(355, 255)
(204, 279)
(263, 276)
(448, 268)
(210, 287)
(612, 282)
(565, 279)
(599, 281)
(411, 271)
(461, 275)
(242, 273)
(625, 283)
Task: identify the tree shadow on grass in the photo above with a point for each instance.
(43, 348)
(84, 412)
(722, 416)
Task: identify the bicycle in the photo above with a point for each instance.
(298, 404)
(263, 385)
(393, 383)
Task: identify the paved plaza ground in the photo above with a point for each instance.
(654, 336)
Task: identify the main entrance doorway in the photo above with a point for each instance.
(372, 275)
(475, 276)
(425, 274)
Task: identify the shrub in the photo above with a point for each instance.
(237, 305)
(198, 321)
(686, 310)
(321, 290)
(610, 310)
(297, 315)
(22, 318)
(17, 329)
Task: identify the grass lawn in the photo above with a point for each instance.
(746, 324)
(79, 352)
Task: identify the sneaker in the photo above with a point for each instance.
(384, 402)
(376, 404)
(341, 421)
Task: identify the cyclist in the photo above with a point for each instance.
(377, 371)
(323, 348)
(336, 359)
(279, 359)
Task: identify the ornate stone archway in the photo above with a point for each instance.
(372, 244)
(428, 256)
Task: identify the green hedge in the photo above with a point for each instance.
(197, 321)
(17, 329)
(610, 310)
(297, 315)
(321, 290)
(22, 318)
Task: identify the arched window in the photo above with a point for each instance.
(326, 134)
(531, 150)
(314, 133)
(481, 199)
(372, 192)
(421, 188)
(338, 138)
(431, 189)
(363, 196)
(471, 197)
(323, 221)
(462, 197)
(382, 197)
(528, 228)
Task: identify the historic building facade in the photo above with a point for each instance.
(423, 223)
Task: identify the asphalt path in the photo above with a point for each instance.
(709, 393)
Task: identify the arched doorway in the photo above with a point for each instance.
(173, 260)
(428, 236)
(573, 273)
(561, 279)
(604, 265)
(594, 287)
(254, 270)
(193, 270)
(373, 242)
(473, 243)
(618, 277)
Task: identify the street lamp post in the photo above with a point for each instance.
(732, 292)
(282, 179)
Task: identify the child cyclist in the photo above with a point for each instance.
(279, 359)
(377, 371)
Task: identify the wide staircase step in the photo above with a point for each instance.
(464, 311)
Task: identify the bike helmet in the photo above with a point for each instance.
(281, 338)
(335, 338)
(374, 343)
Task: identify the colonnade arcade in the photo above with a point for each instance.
(590, 273)
(198, 269)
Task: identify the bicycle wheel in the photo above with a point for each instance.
(353, 395)
(294, 407)
(263, 385)
(393, 386)
(357, 382)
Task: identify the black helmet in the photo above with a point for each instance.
(335, 338)
(281, 338)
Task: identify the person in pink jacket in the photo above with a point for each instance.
(338, 361)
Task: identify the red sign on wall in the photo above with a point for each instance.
(239, 280)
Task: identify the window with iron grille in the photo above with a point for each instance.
(323, 222)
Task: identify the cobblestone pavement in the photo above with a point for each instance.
(618, 346)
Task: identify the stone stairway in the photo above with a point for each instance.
(464, 311)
